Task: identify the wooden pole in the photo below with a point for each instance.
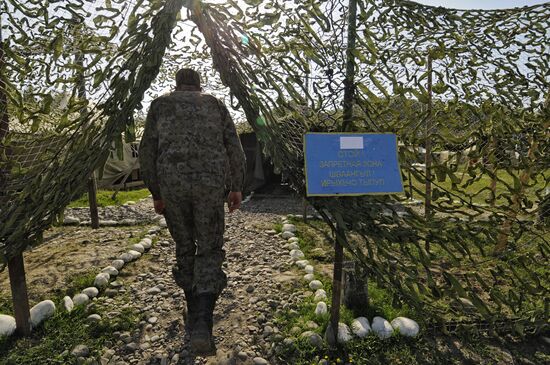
(349, 91)
(428, 151)
(16, 268)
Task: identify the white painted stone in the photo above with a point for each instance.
(313, 338)
(321, 309)
(43, 310)
(146, 243)
(94, 318)
(301, 263)
(68, 304)
(126, 257)
(309, 277)
(406, 326)
(296, 255)
(111, 270)
(162, 223)
(71, 221)
(138, 247)
(320, 294)
(91, 292)
(287, 235)
(315, 284)
(131, 202)
(309, 269)
(360, 327)
(135, 254)
(7, 325)
(289, 228)
(293, 240)
(292, 246)
(117, 264)
(344, 334)
(81, 299)
(102, 280)
(381, 327)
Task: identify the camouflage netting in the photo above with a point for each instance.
(72, 75)
(477, 254)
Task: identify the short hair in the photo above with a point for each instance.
(187, 76)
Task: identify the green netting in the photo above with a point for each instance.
(478, 252)
(73, 73)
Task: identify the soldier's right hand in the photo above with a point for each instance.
(159, 206)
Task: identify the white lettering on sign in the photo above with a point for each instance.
(351, 143)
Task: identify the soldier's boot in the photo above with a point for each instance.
(202, 341)
(192, 310)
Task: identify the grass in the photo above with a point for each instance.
(104, 198)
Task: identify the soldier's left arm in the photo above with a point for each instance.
(235, 153)
(148, 152)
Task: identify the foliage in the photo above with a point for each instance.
(104, 198)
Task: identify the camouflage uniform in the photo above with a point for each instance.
(189, 137)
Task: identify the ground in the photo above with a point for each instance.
(142, 318)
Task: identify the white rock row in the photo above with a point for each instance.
(309, 277)
(43, 310)
(381, 327)
(111, 270)
(344, 334)
(7, 325)
(360, 327)
(320, 294)
(315, 284)
(289, 228)
(91, 292)
(406, 326)
(135, 254)
(146, 243)
(68, 304)
(301, 263)
(81, 299)
(309, 269)
(126, 257)
(118, 264)
(101, 280)
(321, 309)
(287, 235)
(296, 255)
(138, 247)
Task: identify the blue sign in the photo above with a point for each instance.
(351, 164)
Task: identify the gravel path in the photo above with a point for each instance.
(259, 283)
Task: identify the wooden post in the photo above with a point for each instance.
(428, 151)
(349, 92)
(16, 268)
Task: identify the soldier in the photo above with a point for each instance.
(189, 137)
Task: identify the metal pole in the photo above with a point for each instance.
(16, 268)
(428, 152)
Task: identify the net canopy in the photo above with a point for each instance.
(467, 88)
(72, 75)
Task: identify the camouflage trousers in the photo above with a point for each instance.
(195, 218)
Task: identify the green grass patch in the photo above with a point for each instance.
(52, 342)
(104, 198)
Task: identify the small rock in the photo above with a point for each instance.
(68, 304)
(271, 232)
(94, 318)
(7, 325)
(321, 309)
(81, 299)
(110, 292)
(135, 254)
(344, 334)
(360, 327)
(118, 264)
(71, 221)
(154, 290)
(126, 257)
(296, 255)
(320, 294)
(102, 280)
(242, 356)
(292, 246)
(152, 320)
(381, 327)
(289, 228)
(145, 346)
(287, 235)
(138, 247)
(301, 263)
(162, 223)
(315, 284)
(80, 351)
(250, 289)
(146, 243)
(260, 361)
(313, 338)
(111, 270)
(131, 347)
(309, 277)
(406, 326)
(294, 239)
(308, 269)
(43, 310)
(91, 292)
(288, 341)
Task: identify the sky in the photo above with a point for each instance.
(480, 4)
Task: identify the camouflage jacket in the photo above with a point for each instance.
(189, 138)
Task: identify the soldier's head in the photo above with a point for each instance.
(188, 79)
